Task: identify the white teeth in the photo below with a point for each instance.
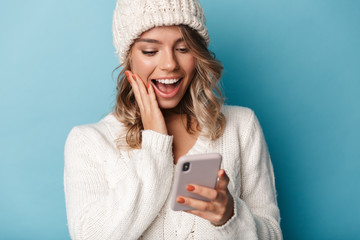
(167, 81)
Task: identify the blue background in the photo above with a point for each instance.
(296, 63)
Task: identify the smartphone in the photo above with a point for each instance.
(200, 169)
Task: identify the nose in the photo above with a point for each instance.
(168, 61)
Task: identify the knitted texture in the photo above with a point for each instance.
(133, 17)
(112, 194)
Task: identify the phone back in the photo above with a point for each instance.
(200, 169)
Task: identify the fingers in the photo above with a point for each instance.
(152, 95)
(209, 193)
(220, 206)
(145, 99)
(135, 86)
(151, 115)
(217, 212)
(197, 204)
(223, 180)
(216, 194)
(140, 92)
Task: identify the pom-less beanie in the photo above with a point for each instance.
(133, 17)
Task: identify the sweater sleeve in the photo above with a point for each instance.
(116, 203)
(256, 214)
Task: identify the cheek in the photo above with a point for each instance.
(142, 67)
(189, 65)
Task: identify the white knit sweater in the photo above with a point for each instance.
(112, 194)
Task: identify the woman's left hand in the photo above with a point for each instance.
(221, 206)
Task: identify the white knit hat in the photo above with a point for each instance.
(133, 17)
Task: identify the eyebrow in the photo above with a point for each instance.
(149, 40)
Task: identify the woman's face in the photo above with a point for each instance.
(160, 57)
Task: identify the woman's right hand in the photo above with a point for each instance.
(151, 115)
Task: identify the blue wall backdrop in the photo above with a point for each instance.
(296, 63)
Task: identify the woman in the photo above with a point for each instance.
(119, 171)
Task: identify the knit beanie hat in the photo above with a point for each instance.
(133, 17)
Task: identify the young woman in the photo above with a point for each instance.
(119, 171)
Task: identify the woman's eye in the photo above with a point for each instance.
(183, 50)
(149, 53)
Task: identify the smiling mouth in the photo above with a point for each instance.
(167, 87)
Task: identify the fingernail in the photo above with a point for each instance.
(134, 77)
(180, 200)
(127, 74)
(221, 173)
(190, 188)
(148, 85)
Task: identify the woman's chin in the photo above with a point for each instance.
(168, 105)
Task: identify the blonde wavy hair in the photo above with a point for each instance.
(201, 103)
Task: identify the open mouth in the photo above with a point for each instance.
(167, 87)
